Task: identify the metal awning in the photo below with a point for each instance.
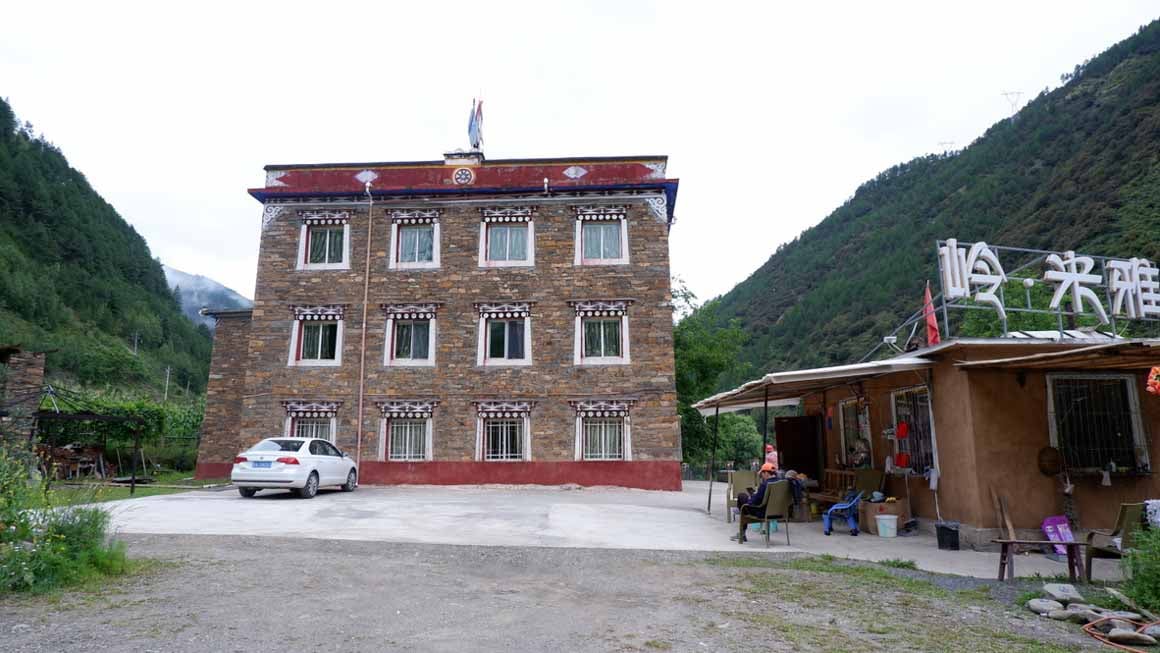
(1121, 355)
(787, 388)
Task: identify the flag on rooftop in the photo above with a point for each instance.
(932, 335)
(475, 125)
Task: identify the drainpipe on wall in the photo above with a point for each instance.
(362, 347)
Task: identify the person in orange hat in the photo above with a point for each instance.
(751, 509)
(771, 456)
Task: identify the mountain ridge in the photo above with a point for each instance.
(196, 291)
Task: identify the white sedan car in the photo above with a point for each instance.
(301, 465)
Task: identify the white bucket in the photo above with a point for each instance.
(887, 525)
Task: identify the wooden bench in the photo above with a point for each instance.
(835, 483)
(1007, 557)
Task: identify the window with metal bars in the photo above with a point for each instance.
(408, 439)
(603, 438)
(504, 439)
(1095, 422)
(313, 427)
(912, 407)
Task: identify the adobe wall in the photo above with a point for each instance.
(456, 380)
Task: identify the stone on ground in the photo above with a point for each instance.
(1043, 606)
(1126, 636)
(1152, 631)
(1062, 592)
(1123, 614)
(1084, 616)
(1060, 615)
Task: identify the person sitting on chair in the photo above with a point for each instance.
(751, 503)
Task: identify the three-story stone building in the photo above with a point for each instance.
(459, 321)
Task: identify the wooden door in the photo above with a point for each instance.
(799, 444)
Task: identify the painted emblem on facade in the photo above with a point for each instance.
(463, 176)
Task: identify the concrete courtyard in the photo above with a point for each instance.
(590, 518)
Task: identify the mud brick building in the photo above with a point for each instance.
(459, 321)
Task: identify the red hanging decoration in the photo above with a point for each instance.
(903, 431)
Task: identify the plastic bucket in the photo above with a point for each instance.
(887, 525)
(948, 535)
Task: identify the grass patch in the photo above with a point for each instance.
(898, 563)
(659, 645)
(1026, 596)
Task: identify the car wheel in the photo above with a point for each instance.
(247, 492)
(351, 482)
(311, 488)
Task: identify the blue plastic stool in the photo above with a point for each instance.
(847, 509)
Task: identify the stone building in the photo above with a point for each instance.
(21, 387)
(459, 321)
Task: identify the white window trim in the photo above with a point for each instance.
(627, 429)
(842, 429)
(480, 421)
(295, 333)
(1138, 435)
(482, 358)
(384, 454)
(344, 265)
(484, 262)
(288, 429)
(579, 257)
(578, 357)
(930, 404)
(393, 262)
(389, 359)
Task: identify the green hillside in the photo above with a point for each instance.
(77, 279)
(1078, 168)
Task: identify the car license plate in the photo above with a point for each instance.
(261, 465)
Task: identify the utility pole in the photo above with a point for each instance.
(1013, 99)
(947, 146)
(166, 399)
(135, 334)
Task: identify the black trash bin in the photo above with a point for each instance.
(948, 535)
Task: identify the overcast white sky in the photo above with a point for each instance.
(771, 115)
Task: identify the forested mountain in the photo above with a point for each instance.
(1076, 168)
(75, 278)
(196, 292)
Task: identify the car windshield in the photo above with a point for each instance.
(278, 445)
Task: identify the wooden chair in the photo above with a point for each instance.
(1100, 543)
(835, 483)
(869, 481)
(738, 481)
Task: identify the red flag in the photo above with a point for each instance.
(932, 337)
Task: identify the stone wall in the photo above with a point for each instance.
(20, 390)
(220, 428)
(456, 380)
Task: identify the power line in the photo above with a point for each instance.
(1013, 99)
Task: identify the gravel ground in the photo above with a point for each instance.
(237, 593)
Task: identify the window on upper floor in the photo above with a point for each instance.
(324, 240)
(507, 237)
(504, 334)
(316, 336)
(601, 332)
(601, 235)
(505, 339)
(411, 330)
(414, 239)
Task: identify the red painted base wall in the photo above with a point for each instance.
(642, 474)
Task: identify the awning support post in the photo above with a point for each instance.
(713, 458)
(764, 427)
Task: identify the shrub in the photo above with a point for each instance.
(1142, 566)
(42, 546)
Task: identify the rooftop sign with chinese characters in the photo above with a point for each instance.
(1090, 284)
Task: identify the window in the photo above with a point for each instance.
(504, 439)
(405, 430)
(912, 408)
(416, 244)
(603, 438)
(855, 431)
(410, 335)
(603, 429)
(316, 336)
(503, 430)
(408, 439)
(312, 427)
(504, 334)
(505, 339)
(507, 242)
(411, 339)
(414, 239)
(324, 241)
(601, 235)
(601, 332)
(602, 338)
(1095, 422)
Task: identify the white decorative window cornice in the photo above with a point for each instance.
(611, 212)
(329, 312)
(512, 408)
(507, 213)
(411, 311)
(407, 408)
(324, 217)
(602, 407)
(300, 408)
(601, 307)
(510, 309)
(414, 216)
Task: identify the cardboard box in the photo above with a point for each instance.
(867, 511)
